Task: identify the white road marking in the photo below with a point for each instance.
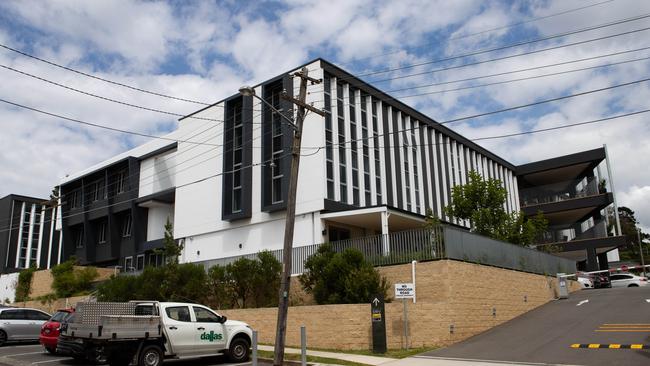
(22, 354)
(647, 300)
(582, 302)
(55, 360)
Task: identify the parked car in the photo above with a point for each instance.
(21, 324)
(51, 329)
(586, 282)
(628, 280)
(601, 280)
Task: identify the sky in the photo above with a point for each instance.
(205, 50)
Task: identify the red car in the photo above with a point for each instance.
(50, 330)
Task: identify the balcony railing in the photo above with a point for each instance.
(560, 191)
(444, 242)
(599, 230)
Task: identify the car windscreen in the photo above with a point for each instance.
(59, 316)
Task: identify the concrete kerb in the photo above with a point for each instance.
(368, 360)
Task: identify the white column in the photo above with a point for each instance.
(384, 232)
(40, 237)
(51, 241)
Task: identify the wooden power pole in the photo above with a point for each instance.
(285, 282)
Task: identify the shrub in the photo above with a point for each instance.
(24, 283)
(68, 281)
(341, 278)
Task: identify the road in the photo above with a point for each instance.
(619, 316)
(34, 355)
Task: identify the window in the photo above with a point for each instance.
(416, 178)
(79, 237)
(128, 264)
(139, 262)
(36, 232)
(13, 314)
(59, 316)
(126, 225)
(179, 313)
(366, 150)
(329, 150)
(154, 260)
(101, 233)
(375, 136)
(342, 157)
(74, 200)
(121, 181)
(353, 146)
(234, 158)
(205, 316)
(97, 191)
(406, 152)
(276, 136)
(36, 315)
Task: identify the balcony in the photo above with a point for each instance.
(560, 191)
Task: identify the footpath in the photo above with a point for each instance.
(368, 360)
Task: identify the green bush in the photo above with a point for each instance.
(341, 278)
(68, 281)
(243, 283)
(24, 283)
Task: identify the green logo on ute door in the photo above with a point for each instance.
(211, 337)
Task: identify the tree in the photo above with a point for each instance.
(341, 278)
(629, 225)
(69, 281)
(171, 250)
(482, 202)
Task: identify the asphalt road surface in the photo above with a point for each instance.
(603, 317)
(34, 355)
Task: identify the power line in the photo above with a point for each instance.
(544, 101)
(100, 126)
(397, 98)
(109, 99)
(500, 48)
(525, 78)
(103, 79)
(485, 31)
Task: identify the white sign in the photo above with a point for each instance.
(404, 291)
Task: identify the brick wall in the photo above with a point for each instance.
(448, 292)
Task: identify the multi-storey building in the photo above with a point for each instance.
(371, 165)
(27, 234)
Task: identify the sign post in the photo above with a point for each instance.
(563, 292)
(405, 291)
(378, 320)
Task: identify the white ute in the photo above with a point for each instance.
(148, 332)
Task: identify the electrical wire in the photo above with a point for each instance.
(109, 99)
(512, 25)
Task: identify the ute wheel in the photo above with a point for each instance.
(239, 350)
(3, 337)
(151, 355)
(51, 350)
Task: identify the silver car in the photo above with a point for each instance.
(628, 280)
(21, 324)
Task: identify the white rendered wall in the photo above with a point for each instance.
(158, 173)
(157, 216)
(8, 287)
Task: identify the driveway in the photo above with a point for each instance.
(593, 327)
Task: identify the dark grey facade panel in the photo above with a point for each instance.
(395, 149)
(446, 146)
(243, 106)
(387, 157)
(435, 194)
(425, 178)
